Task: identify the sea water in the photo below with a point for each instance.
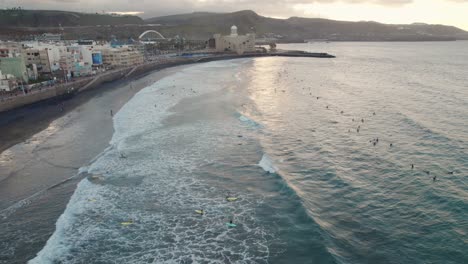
(317, 151)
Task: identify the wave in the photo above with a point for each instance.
(156, 187)
(5, 213)
(267, 164)
(249, 121)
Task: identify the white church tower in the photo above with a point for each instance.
(233, 31)
(234, 42)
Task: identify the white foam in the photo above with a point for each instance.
(267, 164)
(249, 121)
(155, 186)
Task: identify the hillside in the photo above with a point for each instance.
(203, 25)
(50, 18)
(25, 24)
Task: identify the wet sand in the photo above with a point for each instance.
(42, 148)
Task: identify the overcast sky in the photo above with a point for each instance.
(449, 12)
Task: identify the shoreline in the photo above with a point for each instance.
(40, 167)
(134, 72)
(19, 123)
(41, 170)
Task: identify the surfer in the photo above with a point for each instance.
(450, 172)
(391, 144)
(112, 113)
(412, 166)
(200, 212)
(435, 178)
(231, 198)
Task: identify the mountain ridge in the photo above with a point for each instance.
(20, 24)
(55, 18)
(297, 28)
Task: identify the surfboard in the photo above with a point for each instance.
(199, 212)
(126, 223)
(231, 225)
(231, 199)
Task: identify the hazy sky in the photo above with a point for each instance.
(449, 12)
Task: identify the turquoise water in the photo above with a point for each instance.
(281, 135)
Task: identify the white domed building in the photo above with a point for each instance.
(234, 42)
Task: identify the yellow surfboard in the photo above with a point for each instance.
(231, 199)
(127, 223)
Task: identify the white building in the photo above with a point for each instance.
(54, 52)
(120, 57)
(234, 42)
(7, 82)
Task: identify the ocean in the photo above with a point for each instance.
(318, 153)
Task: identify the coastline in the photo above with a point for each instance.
(41, 154)
(43, 146)
(70, 89)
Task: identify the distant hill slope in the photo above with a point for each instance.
(49, 18)
(203, 25)
(25, 24)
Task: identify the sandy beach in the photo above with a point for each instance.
(42, 147)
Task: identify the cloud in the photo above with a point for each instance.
(278, 8)
(171, 6)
